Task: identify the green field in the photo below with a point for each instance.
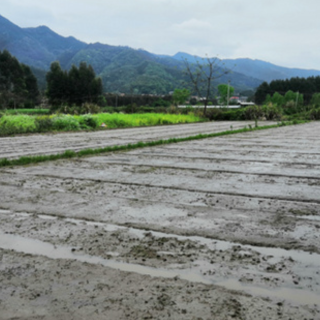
(17, 124)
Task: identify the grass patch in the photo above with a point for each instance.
(68, 154)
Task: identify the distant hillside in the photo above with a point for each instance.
(257, 69)
(37, 47)
(121, 68)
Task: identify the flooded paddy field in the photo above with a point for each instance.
(220, 228)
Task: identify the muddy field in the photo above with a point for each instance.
(47, 143)
(221, 228)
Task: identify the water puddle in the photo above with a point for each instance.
(36, 247)
(312, 218)
(277, 254)
(5, 211)
(45, 217)
(295, 295)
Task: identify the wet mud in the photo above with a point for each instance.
(224, 228)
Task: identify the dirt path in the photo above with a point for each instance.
(223, 228)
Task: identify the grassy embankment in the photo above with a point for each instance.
(86, 152)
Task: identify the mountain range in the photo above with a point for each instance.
(124, 69)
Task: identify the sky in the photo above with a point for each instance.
(283, 32)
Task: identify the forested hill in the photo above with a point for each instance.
(121, 68)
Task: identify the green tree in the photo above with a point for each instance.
(225, 90)
(315, 100)
(57, 85)
(290, 96)
(268, 99)
(180, 96)
(261, 93)
(18, 85)
(77, 86)
(277, 99)
(31, 84)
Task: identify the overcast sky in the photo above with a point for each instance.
(283, 32)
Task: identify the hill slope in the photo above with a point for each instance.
(124, 69)
(258, 69)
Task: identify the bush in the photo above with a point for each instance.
(187, 110)
(145, 109)
(108, 109)
(17, 124)
(272, 112)
(88, 121)
(77, 110)
(253, 113)
(219, 114)
(314, 114)
(65, 123)
(43, 123)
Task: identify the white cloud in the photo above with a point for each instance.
(192, 24)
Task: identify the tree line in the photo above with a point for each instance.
(18, 85)
(76, 86)
(306, 86)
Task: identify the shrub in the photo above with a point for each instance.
(65, 122)
(272, 112)
(218, 114)
(43, 123)
(88, 121)
(17, 124)
(145, 109)
(253, 112)
(77, 110)
(108, 109)
(314, 114)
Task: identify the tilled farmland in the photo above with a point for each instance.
(48, 143)
(219, 228)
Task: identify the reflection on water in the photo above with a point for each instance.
(37, 247)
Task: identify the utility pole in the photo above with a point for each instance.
(297, 99)
(228, 94)
(131, 93)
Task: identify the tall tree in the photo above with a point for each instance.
(31, 84)
(18, 85)
(261, 94)
(77, 86)
(57, 85)
(202, 75)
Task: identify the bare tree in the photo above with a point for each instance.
(202, 74)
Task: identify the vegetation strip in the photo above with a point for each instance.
(17, 124)
(25, 160)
